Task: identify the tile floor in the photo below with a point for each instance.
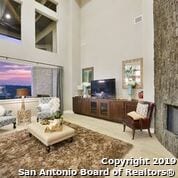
(143, 145)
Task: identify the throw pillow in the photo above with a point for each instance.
(2, 110)
(134, 115)
(142, 109)
(44, 107)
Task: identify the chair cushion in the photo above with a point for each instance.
(2, 110)
(142, 109)
(134, 115)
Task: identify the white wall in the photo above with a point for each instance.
(101, 34)
(148, 50)
(26, 48)
(67, 45)
(72, 63)
(109, 36)
(76, 40)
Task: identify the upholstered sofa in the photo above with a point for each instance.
(7, 119)
(47, 107)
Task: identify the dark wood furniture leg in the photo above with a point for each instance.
(14, 125)
(124, 126)
(149, 132)
(133, 131)
(70, 139)
(48, 149)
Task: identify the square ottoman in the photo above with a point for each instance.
(50, 138)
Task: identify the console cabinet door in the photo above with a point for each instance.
(112, 110)
(104, 109)
(117, 111)
(77, 105)
(85, 106)
(93, 108)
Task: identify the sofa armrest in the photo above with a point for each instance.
(8, 113)
(38, 108)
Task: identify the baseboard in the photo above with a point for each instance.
(68, 112)
(152, 130)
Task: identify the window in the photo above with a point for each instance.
(10, 19)
(45, 33)
(36, 80)
(48, 4)
(13, 77)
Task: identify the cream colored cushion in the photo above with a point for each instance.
(2, 110)
(134, 115)
(142, 109)
(50, 138)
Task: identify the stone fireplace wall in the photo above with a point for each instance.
(166, 68)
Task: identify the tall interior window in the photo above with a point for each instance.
(45, 27)
(49, 4)
(45, 33)
(12, 77)
(10, 19)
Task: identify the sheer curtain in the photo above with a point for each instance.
(59, 87)
(48, 82)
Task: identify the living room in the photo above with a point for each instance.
(104, 37)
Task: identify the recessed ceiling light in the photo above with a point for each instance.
(8, 16)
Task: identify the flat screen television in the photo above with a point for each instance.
(103, 88)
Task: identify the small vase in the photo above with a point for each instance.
(129, 89)
(130, 98)
(56, 121)
(61, 121)
(130, 92)
(85, 92)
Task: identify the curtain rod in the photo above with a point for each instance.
(33, 62)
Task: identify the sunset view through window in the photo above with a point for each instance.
(12, 77)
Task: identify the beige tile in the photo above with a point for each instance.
(143, 145)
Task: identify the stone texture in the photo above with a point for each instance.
(166, 68)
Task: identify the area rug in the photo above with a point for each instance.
(19, 151)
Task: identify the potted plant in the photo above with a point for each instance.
(130, 72)
(86, 86)
(131, 86)
(58, 119)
